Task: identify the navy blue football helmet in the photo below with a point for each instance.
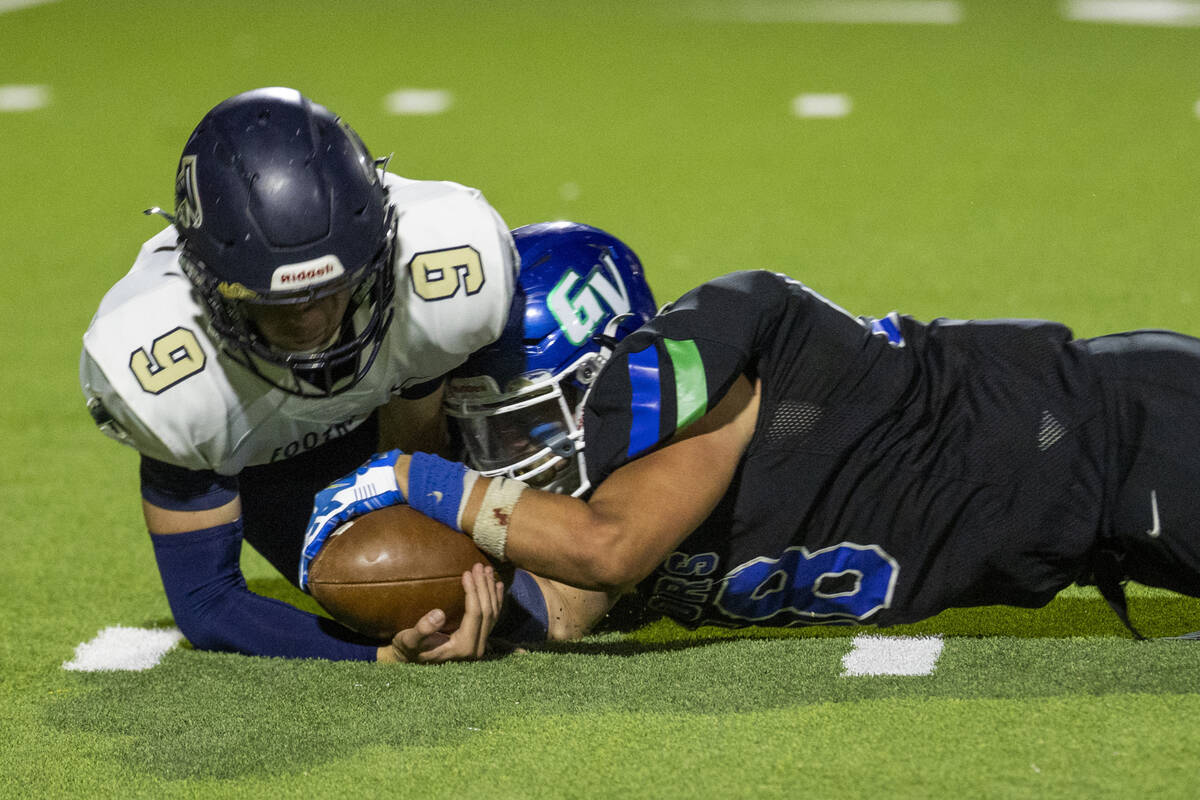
(278, 202)
(518, 404)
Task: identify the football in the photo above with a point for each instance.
(381, 572)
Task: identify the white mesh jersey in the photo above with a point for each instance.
(155, 378)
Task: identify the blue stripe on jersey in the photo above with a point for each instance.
(889, 326)
(646, 403)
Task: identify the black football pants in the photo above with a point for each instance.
(1151, 383)
(277, 499)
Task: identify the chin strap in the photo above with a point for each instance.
(608, 338)
(150, 212)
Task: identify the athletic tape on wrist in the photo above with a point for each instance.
(437, 487)
(468, 484)
(491, 523)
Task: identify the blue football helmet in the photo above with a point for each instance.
(278, 202)
(518, 404)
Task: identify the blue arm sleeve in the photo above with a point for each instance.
(215, 611)
(524, 617)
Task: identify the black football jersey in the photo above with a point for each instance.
(897, 469)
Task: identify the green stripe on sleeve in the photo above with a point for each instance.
(691, 389)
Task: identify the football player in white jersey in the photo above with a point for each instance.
(296, 316)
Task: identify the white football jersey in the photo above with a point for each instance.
(155, 378)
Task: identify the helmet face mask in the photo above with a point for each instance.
(532, 432)
(518, 404)
(334, 368)
(278, 204)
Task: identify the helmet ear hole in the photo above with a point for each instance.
(588, 370)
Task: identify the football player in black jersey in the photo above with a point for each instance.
(755, 455)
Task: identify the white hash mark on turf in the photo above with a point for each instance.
(1166, 13)
(818, 106)
(121, 648)
(892, 655)
(15, 5)
(867, 12)
(16, 97)
(418, 102)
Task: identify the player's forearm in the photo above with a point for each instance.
(552, 535)
(215, 610)
(563, 538)
(636, 517)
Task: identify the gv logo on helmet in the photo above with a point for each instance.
(579, 316)
(306, 273)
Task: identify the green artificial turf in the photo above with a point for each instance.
(1012, 164)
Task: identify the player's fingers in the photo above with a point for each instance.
(431, 623)
(481, 582)
(485, 584)
(479, 599)
(481, 608)
(462, 643)
(498, 598)
(471, 601)
(412, 642)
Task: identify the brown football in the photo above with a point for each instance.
(383, 571)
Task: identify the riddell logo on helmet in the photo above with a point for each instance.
(307, 273)
(478, 385)
(302, 275)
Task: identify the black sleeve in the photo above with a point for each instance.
(180, 489)
(417, 391)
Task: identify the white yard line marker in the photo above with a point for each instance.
(1165, 13)
(17, 5)
(821, 106)
(121, 648)
(23, 98)
(420, 102)
(892, 655)
(866, 12)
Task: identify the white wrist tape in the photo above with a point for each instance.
(491, 523)
(469, 479)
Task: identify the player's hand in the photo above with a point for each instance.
(427, 644)
(369, 488)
